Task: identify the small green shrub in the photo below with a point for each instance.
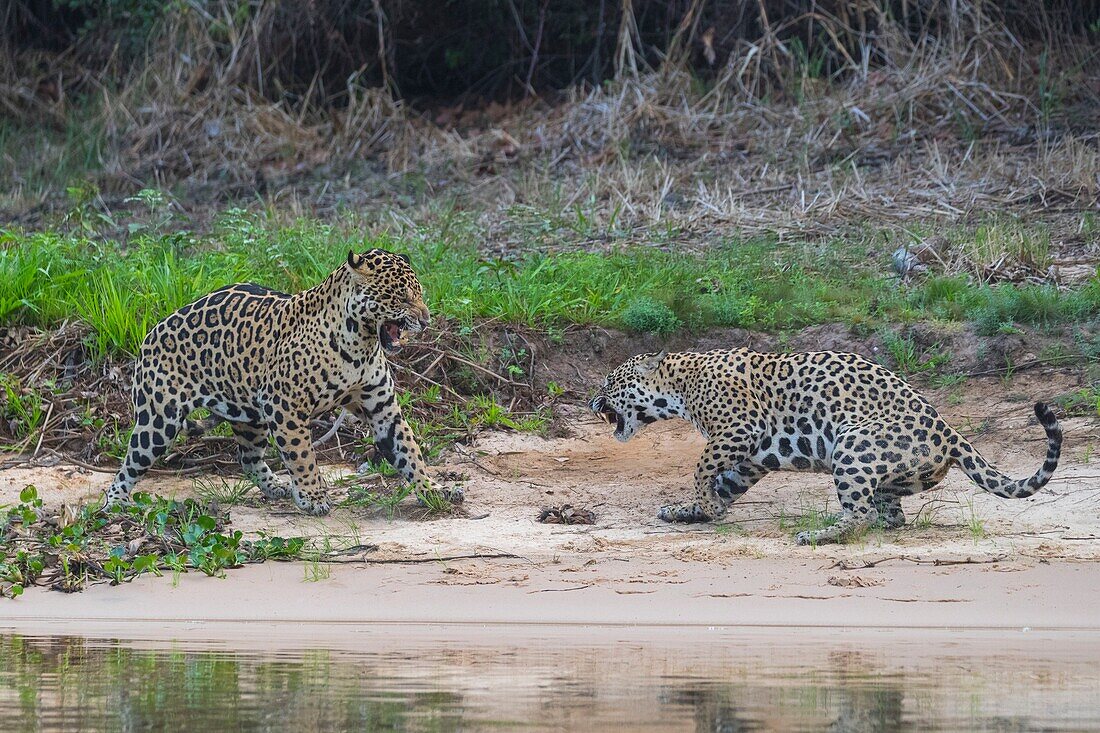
(646, 315)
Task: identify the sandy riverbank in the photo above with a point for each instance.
(969, 560)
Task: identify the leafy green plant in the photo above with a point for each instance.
(88, 544)
(113, 439)
(647, 315)
(157, 208)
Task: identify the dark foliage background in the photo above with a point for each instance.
(434, 50)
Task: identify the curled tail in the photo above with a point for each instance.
(995, 482)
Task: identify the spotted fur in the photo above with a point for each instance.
(268, 362)
(822, 411)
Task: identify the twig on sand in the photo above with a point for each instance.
(354, 549)
(333, 557)
(560, 590)
(846, 564)
(42, 432)
(472, 459)
(189, 471)
(967, 561)
(487, 372)
(1016, 368)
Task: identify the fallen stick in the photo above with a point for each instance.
(843, 564)
(478, 367)
(42, 432)
(419, 560)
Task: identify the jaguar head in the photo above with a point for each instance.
(388, 298)
(633, 395)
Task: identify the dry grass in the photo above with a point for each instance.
(945, 125)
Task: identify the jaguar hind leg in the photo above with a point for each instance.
(888, 506)
(295, 443)
(155, 427)
(856, 471)
(251, 447)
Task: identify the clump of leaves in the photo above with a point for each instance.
(567, 514)
(117, 544)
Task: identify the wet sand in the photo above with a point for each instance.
(755, 593)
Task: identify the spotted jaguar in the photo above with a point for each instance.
(824, 411)
(268, 363)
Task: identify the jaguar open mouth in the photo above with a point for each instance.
(389, 335)
(608, 414)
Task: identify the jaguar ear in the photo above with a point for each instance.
(648, 365)
(354, 260)
(405, 257)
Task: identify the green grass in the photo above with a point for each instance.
(314, 569)
(383, 501)
(25, 410)
(974, 522)
(997, 310)
(907, 356)
(808, 518)
(215, 489)
(1085, 401)
(123, 288)
(435, 503)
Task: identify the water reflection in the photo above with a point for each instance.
(446, 683)
(723, 709)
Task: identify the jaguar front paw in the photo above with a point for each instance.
(686, 513)
(317, 506)
(275, 491)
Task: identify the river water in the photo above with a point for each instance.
(550, 678)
